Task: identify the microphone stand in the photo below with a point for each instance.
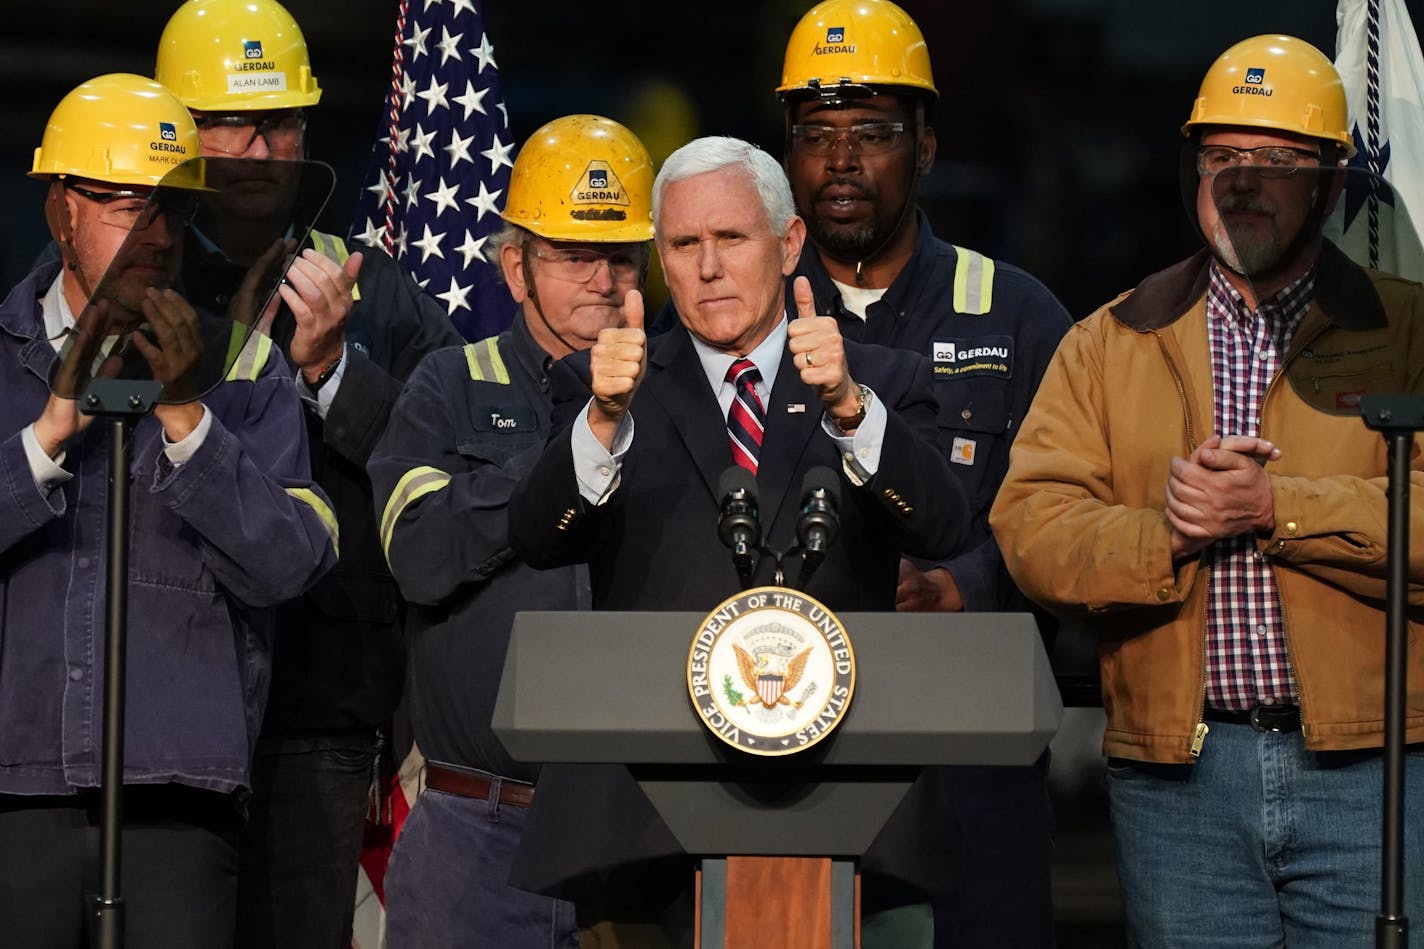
(1397, 417)
(122, 402)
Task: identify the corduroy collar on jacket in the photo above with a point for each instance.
(1342, 291)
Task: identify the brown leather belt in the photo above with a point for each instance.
(1263, 718)
(477, 786)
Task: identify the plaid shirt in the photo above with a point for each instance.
(1246, 659)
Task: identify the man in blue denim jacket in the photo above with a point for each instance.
(224, 519)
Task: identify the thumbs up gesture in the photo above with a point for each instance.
(817, 350)
(617, 362)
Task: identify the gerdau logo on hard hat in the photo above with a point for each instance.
(252, 53)
(1255, 83)
(835, 42)
(599, 184)
(168, 135)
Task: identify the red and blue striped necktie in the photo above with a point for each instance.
(746, 419)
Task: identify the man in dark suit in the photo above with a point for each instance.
(638, 500)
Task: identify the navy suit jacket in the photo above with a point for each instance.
(653, 545)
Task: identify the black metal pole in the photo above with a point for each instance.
(1397, 418)
(121, 403)
(1392, 925)
(109, 905)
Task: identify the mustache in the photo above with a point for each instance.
(1243, 202)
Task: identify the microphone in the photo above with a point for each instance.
(739, 520)
(819, 520)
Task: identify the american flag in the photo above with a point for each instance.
(441, 166)
(368, 924)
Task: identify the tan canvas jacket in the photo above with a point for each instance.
(1081, 523)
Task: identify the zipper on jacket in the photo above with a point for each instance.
(1202, 730)
(1181, 391)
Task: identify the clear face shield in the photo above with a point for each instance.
(1269, 216)
(1261, 208)
(1371, 224)
(195, 276)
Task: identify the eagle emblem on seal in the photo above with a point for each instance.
(772, 672)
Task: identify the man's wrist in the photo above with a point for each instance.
(849, 423)
(323, 375)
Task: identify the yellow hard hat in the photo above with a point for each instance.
(236, 55)
(582, 178)
(121, 129)
(852, 44)
(1274, 82)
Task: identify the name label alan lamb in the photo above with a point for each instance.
(771, 671)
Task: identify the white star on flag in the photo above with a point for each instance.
(426, 198)
(429, 244)
(472, 247)
(498, 154)
(459, 149)
(471, 99)
(484, 202)
(444, 196)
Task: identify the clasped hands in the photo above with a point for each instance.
(1221, 491)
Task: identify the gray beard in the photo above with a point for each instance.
(1248, 258)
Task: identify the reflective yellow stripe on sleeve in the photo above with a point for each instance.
(329, 245)
(415, 483)
(485, 362)
(973, 281)
(246, 364)
(323, 511)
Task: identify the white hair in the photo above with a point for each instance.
(715, 152)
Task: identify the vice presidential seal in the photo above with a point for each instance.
(771, 671)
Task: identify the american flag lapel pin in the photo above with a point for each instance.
(795, 408)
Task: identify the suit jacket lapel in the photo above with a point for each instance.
(678, 387)
(788, 436)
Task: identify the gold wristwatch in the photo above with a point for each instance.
(851, 422)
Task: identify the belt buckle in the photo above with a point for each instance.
(1269, 718)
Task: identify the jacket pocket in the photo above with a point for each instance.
(975, 423)
(498, 447)
(1336, 389)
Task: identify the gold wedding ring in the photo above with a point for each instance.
(809, 363)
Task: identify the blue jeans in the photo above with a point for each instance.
(1261, 843)
(446, 884)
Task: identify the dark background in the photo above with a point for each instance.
(1058, 123)
(1058, 130)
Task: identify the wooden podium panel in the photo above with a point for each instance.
(786, 902)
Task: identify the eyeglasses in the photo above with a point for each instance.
(870, 138)
(136, 210)
(579, 264)
(234, 134)
(1269, 161)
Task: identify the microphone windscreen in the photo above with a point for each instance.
(824, 478)
(736, 478)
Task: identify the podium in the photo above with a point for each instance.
(931, 689)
